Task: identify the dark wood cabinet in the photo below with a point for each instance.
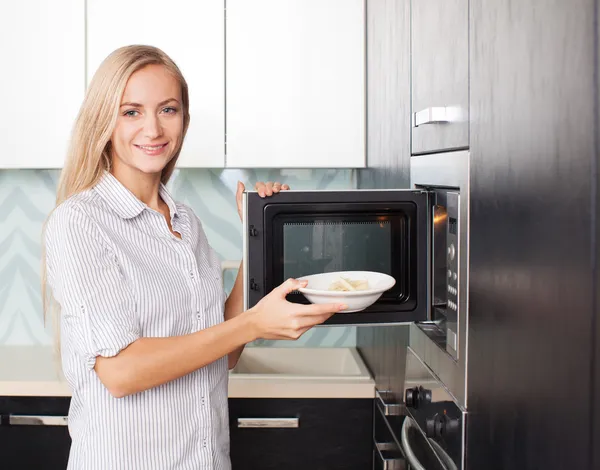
(440, 75)
(331, 434)
(33, 433)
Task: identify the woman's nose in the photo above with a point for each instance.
(152, 127)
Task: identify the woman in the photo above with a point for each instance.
(146, 333)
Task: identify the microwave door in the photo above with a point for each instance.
(298, 233)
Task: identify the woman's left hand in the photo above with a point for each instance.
(263, 189)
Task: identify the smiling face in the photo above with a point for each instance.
(149, 127)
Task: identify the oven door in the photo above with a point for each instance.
(298, 233)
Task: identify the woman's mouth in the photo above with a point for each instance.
(152, 150)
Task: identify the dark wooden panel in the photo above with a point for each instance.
(33, 447)
(531, 291)
(440, 71)
(388, 95)
(388, 153)
(334, 434)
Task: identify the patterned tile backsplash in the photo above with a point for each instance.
(27, 196)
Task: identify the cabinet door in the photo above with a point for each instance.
(295, 83)
(329, 434)
(43, 81)
(440, 86)
(34, 433)
(191, 32)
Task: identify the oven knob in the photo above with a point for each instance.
(410, 397)
(441, 426)
(417, 396)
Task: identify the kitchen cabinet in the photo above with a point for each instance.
(295, 83)
(43, 81)
(33, 433)
(192, 34)
(298, 434)
(440, 75)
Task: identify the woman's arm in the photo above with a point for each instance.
(233, 308)
(149, 362)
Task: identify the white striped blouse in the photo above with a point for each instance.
(120, 274)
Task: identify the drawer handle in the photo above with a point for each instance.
(388, 463)
(37, 420)
(388, 409)
(268, 423)
(437, 115)
(408, 452)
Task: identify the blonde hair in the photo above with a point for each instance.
(89, 153)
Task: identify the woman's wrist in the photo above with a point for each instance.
(248, 324)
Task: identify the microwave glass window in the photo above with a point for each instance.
(327, 246)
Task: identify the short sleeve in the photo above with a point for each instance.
(98, 308)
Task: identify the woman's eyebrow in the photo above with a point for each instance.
(138, 105)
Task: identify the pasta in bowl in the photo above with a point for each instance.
(357, 289)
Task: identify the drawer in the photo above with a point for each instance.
(38, 424)
(300, 434)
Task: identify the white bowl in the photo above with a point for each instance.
(316, 291)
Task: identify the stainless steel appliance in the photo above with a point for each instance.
(404, 233)
(420, 236)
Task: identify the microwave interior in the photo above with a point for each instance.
(298, 233)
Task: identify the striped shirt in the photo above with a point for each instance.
(119, 274)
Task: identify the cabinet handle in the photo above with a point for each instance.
(388, 463)
(268, 423)
(388, 409)
(37, 420)
(437, 115)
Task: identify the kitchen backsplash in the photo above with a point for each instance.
(27, 196)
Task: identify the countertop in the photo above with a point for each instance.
(35, 371)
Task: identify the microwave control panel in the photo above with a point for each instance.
(453, 275)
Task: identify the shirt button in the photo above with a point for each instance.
(202, 401)
(192, 274)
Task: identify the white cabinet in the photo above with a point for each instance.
(191, 32)
(43, 81)
(295, 83)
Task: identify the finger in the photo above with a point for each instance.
(323, 309)
(285, 187)
(269, 188)
(276, 187)
(239, 192)
(307, 323)
(290, 285)
(260, 188)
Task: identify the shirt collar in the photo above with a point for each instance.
(123, 201)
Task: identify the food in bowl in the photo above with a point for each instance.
(318, 289)
(348, 285)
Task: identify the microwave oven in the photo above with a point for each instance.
(414, 235)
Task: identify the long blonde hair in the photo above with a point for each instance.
(89, 153)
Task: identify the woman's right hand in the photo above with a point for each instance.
(276, 318)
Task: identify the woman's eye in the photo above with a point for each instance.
(131, 113)
(170, 110)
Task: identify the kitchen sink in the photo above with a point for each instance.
(301, 363)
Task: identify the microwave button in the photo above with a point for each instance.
(451, 252)
(454, 276)
(449, 274)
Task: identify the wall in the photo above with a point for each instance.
(27, 196)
